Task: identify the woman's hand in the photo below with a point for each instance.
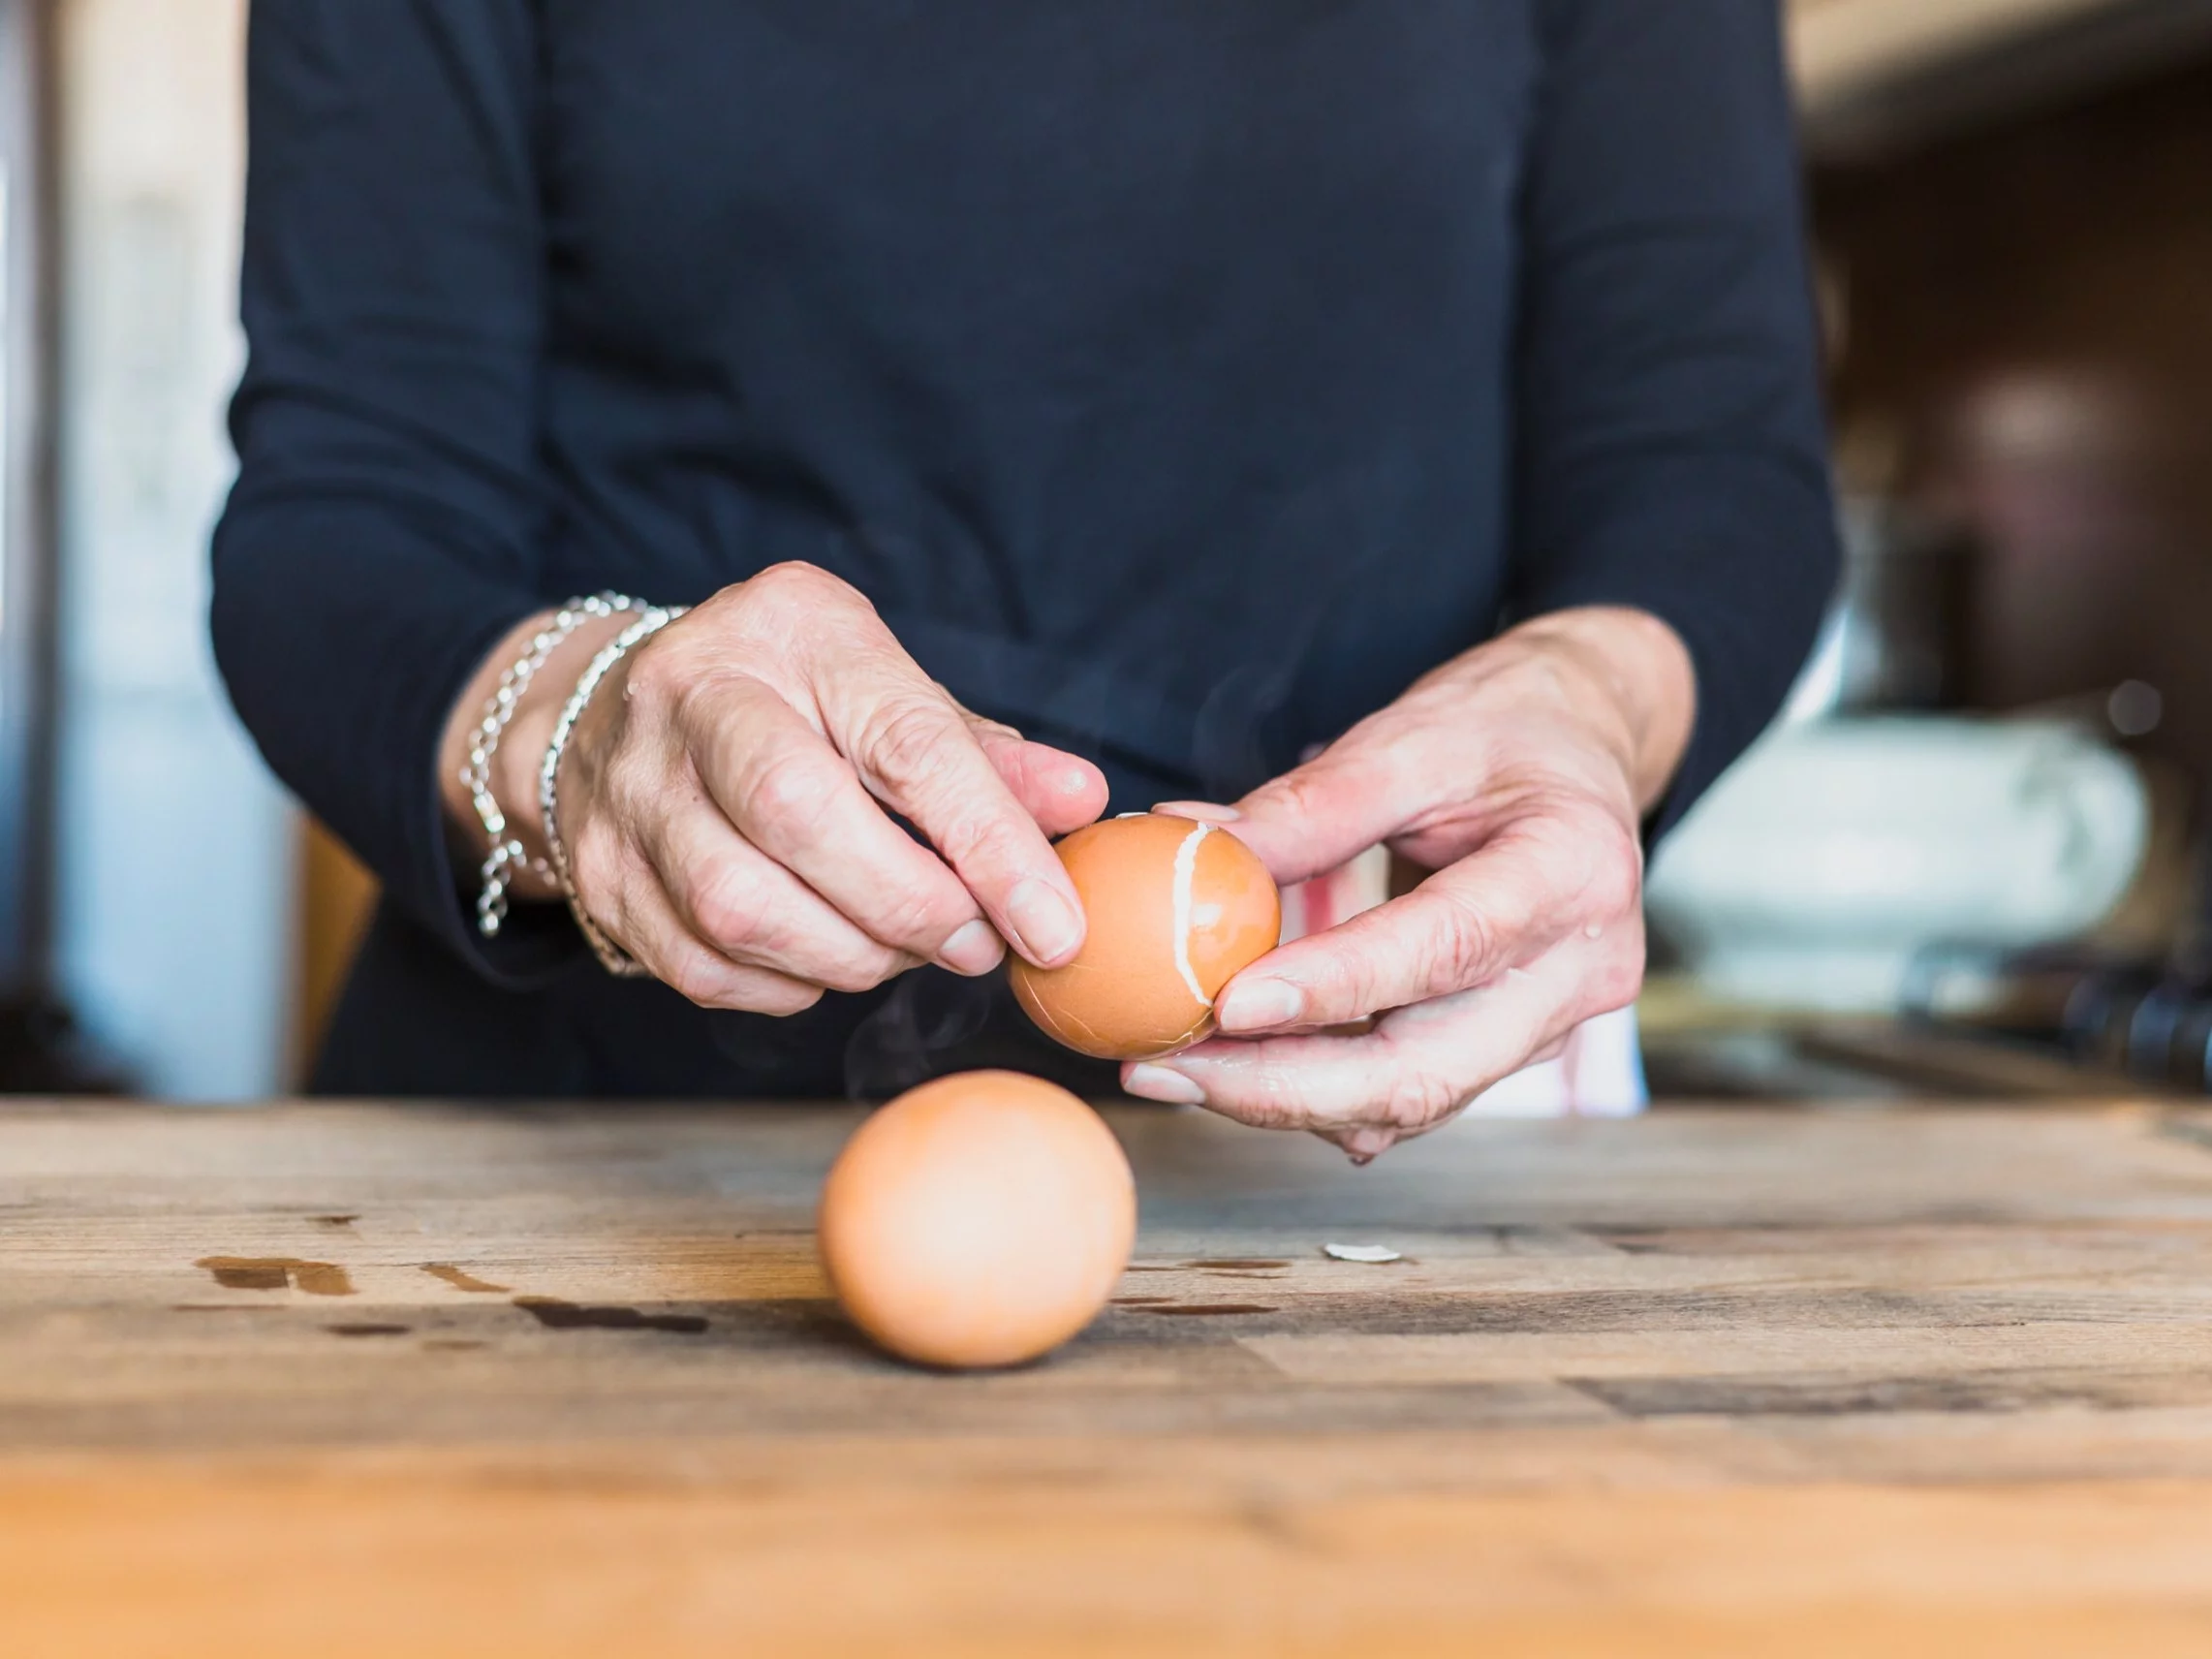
(1519, 774)
(726, 801)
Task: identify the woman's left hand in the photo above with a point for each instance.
(1519, 774)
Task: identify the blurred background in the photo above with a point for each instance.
(1966, 862)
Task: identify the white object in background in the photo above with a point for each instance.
(1600, 1074)
(1834, 852)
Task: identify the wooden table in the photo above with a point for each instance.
(338, 1381)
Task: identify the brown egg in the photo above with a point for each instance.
(979, 1220)
(1176, 910)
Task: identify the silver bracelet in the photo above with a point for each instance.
(611, 956)
(507, 856)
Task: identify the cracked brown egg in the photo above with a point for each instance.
(1176, 910)
(979, 1220)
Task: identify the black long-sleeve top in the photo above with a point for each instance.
(1179, 380)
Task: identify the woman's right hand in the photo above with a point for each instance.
(726, 803)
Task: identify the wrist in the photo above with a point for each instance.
(514, 768)
(1634, 684)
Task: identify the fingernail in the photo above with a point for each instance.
(1201, 811)
(1158, 1082)
(1259, 1005)
(975, 949)
(1045, 925)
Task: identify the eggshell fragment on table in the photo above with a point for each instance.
(1374, 1255)
(979, 1220)
(1176, 909)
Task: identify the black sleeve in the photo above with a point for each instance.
(380, 536)
(1672, 451)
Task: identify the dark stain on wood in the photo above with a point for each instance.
(1240, 1264)
(1141, 1267)
(1208, 1309)
(334, 1220)
(1983, 1392)
(1140, 1300)
(368, 1330)
(276, 1273)
(554, 1314)
(452, 1345)
(461, 1279)
(1419, 1313)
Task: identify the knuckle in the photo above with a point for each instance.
(781, 1001)
(919, 918)
(1465, 949)
(724, 903)
(784, 580)
(863, 972)
(1418, 1099)
(697, 979)
(655, 674)
(904, 741)
(792, 589)
(987, 840)
(1296, 798)
(793, 791)
(1351, 987)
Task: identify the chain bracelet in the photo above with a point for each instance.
(507, 856)
(611, 956)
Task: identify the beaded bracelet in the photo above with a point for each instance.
(507, 855)
(611, 956)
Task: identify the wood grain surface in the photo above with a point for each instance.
(367, 1380)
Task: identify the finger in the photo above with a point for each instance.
(802, 805)
(917, 753)
(638, 915)
(1061, 791)
(752, 910)
(1419, 1067)
(1540, 878)
(1359, 792)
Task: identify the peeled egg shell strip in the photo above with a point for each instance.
(1186, 876)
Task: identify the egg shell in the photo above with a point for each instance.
(979, 1220)
(1176, 909)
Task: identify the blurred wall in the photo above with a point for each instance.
(176, 846)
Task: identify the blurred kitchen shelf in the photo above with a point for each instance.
(1699, 1049)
